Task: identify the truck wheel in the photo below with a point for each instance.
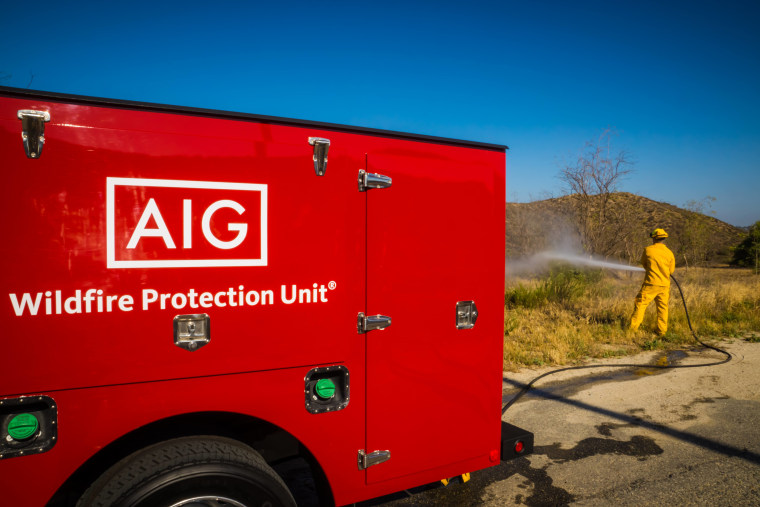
(190, 472)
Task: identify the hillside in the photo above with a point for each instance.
(551, 224)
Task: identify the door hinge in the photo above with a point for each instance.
(366, 323)
(321, 147)
(33, 130)
(365, 460)
(372, 180)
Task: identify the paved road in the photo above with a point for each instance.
(629, 437)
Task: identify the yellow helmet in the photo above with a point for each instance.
(658, 234)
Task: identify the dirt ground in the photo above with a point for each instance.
(628, 436)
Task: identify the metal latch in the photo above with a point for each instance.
(33, 130)
(192, 332)
(321, 147)
(372, 180)
(365, 460)
(366, 323)
(467, 314)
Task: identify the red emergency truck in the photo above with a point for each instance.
(192, 297)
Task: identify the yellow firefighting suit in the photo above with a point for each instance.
(659, 263)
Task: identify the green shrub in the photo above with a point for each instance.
(563, 285)
(525, 297)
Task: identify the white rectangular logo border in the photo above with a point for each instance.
(112, 263)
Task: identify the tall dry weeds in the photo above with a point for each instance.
(589, 317)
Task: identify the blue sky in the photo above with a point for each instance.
(678, 81)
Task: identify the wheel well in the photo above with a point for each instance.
(276, 446)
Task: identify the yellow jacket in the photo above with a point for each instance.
(659, 263)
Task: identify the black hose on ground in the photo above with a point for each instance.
(527, 387)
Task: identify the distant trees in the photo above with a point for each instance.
(748, 251)
(535, 227)
(695, 238)
(527, 225)
(591, 180)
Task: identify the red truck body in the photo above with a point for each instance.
(135, 214)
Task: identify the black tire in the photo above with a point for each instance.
(178, 470)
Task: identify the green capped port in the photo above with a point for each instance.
(23, 426)
(325, 388)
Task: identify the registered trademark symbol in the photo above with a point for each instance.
(331, 285)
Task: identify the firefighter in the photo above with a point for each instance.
(659, 264)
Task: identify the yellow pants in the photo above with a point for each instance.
(661, 295)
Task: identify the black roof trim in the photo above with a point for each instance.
(213, 113)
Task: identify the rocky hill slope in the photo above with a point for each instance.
(553, 224)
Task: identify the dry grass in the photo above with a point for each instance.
(569, 315)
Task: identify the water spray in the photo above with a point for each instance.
(585, 261)
(577, 259)
(541, 260)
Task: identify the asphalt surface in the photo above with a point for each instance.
(627, 437)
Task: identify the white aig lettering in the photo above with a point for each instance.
(162, 231)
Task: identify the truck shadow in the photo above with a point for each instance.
(536, 486)
(632, 419)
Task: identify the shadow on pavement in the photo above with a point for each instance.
(706, 443)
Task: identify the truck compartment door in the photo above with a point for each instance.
(435, 239)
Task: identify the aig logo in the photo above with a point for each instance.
(175, 223)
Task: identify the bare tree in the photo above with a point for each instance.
(591, 181)
(627, 220)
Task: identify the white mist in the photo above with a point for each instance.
(540, 262)
(585, 261)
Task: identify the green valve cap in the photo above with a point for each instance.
(325, 388)
(23, 426)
